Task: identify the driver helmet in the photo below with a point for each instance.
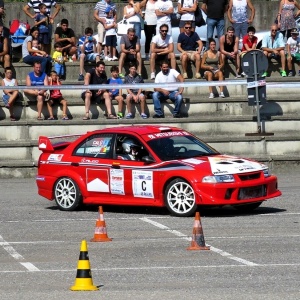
(130, 147)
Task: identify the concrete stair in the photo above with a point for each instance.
(220, 122)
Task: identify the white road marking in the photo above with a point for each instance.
(216, 250)
(13, 253)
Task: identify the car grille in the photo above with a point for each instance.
(252, 192)
(252, 176)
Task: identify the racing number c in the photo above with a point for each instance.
(144, 188)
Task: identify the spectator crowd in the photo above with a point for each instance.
(48, 56)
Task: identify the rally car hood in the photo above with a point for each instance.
(224, 164)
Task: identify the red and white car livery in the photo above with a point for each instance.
(150, 166)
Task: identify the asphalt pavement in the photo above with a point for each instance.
(252, 256)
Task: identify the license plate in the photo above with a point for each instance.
(252, 192)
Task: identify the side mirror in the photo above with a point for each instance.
(148, 159)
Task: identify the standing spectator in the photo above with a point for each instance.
(56, 96)
(293, 51)
(164, 10)
(249, 40)
(2, 14)
(162, 48)
(116, 94)
(213, 65)
(41, 22)
(229, 47)
(87, 50)
(35, 5)
(190, 46)
(215, 10)
(286, 16)
(134, 95)
(110, 26)
(150, 23)
(99, 15)
(130, 49)
(37, 78)
(4, 49)
(58, 59)
(65, 35)
(186, 9)
(273, 47)
(131, 14)
(238, 16)
(96, 76)
(27, 52)
(164, 77)
(10, 95)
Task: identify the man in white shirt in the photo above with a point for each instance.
(163, 10)
(165, 76)
(162, 48)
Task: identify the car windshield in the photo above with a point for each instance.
(179, 147)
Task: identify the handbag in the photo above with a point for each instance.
(199, 20)
(123, 26)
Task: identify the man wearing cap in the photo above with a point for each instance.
(35, 5)
(293, 51)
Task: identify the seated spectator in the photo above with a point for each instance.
(162, 48)
(116, 94)
(110, 26)
(59, 62)
(130, 50)
(66, 37)
(273, 47)
(4, 49)
(134, 95)
(41, 21)
(96, 76)
(87, 50)
(27, 52)
(229, 48)
(37, 78)
(56, 96)
(165, 76)
(131, 14)
(249, 41)
(36, 46)
(190, 46)
(10, 95)
(186, 9)
(163, 10)
(213, 65)
(293, 51)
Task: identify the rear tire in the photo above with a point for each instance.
(180, 198)
(67, 194)
(247, 207)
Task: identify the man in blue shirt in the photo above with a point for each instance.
(273, 46)
(87, 50)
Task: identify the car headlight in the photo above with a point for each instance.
(266, 172)
(218, 178)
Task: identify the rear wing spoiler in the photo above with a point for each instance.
(46, 144)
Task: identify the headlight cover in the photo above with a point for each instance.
(218, 179)
(266, 172)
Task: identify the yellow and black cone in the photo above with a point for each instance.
(84, 281)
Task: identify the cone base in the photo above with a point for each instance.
(198, 248)
(84, 288)
(101, 239)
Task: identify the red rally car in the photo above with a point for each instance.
(151, 166)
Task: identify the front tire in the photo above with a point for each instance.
(67, 194)
(180, 198)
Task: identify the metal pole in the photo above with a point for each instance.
(254, 53)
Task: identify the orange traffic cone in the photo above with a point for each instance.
(198, 242)
(83, 281)
(100, 234)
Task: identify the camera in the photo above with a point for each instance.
(90, 38)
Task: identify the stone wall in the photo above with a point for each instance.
(80, 15)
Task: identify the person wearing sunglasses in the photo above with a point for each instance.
(162, 48)
(273, 47)
(190, 46)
